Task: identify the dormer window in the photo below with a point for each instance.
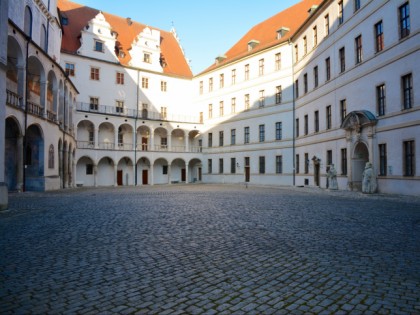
(252, 44)
(282, 32)
(146, 58)
(99, 46)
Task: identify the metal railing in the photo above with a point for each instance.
(139, 147)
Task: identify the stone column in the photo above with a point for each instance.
(169, 173)
(169, 137)
(186, 141)
(152, 181)
(115, 175)
(95, 175)
(19, 171)
(349, 160)
(186, 173)
(43, 97)
(65, 167)
(152, 139)
(96, 140)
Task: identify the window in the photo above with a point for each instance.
(210, 166)
(210, 84)
(382, 160)
(210, 110)
(327, 69)
(297, 88)
(27, 28)
(262, 99)
(306, 161)
(233, 105)
(277, 61)
(278, 94)
(91, 137)
(279, 130)
(297, 127)
(316, 121)
(407, 90)
(315, 35)
(315, 76)
(201, 118)
(210, 140)
(380, 99)
(343, 109)
(327, 25)
(220, 166)
(43, 39)
(233, 76)
(70, 69)
(120, 78)
(305, 45)
(409, 158)
(246, 101)
(146, 58)
(51, 156)
(201, 87)
(340, 13)
(246, 135)
(328, 117)
(279, 164)
(306, 123)
(119, 106)
(163, 112)
(221, 108)
(163, 143)
(163, 86)
(297, 168)
(98, 46)
(233, 136)
(296, 53)
(64, 20)
(358, 47)
(379, 36)
(145, 83)
(221, 138)
(144, 112)
(305, 83)
(329, 157)
(94, 73)
(94, 103)
(89, 169)
(342, 58)
(404, 14)
(262, 133)
(246, 72)
(164, 169)
(356, 5)
(262, 164)
(233, 165)
(221, 80)
(344, 161)
(261, 67)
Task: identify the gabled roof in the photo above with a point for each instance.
(266, 32)
(79, 15)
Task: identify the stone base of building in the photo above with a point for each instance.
(4, 197)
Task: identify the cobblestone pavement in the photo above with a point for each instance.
(209, 249)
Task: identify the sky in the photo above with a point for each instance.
(206, 28)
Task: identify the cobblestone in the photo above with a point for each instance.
(209, 249)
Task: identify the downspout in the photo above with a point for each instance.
(135, 129)
(28, 39)
(48, 29)
(64, 131)
(294, 119)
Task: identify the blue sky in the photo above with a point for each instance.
(207, 28)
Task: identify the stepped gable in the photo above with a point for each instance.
(265, 33)
(79, 15)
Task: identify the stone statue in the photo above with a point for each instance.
(332, 178)
(369, 180)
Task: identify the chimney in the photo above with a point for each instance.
(129, 22)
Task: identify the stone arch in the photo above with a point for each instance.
(125, 137)
(85, 171)
(85, 134)
(161, 139)
(178, 143)
(15, 73)
(194, 170)
(359, 159)
(52, 96)
(106, 173)
(178, 171)
(13, 154)
(125, 172)
(34, 158)
(36, 81)
(144, 171)
(106, 136)
(144, 138)
(161, 171)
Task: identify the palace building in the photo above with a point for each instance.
(94, 99)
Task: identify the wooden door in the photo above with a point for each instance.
(119, 177)
(145, 179)
(144, 144)
(199, 174)
(183, 175)
(247, 173)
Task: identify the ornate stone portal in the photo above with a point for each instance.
(360, 134)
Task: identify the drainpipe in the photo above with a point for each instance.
(64, 131)
(28, 39)
(293, 117)
(135, 129)
(48, 30)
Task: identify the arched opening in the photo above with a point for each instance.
(14, 73)
(35, 80)
(105, 176)
(143, 171)
(85, 135)
(125, 172)
(178, 140)
(85, 172)
(34, 159)
(359, 160)
(52, 101)
(125, 137)
(13, 155)
(106, 136)
(27, 28)
(178, 172)
(194, 171)
(143, 136)
(161, 139)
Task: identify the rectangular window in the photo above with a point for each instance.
(233, 136)
(120, 78)
(210, 84)
(262, 99)
(407, 90)
(145, 83)
(164, 169)
(210, 140)
(279, 130)
(94, 73)
(94, 103)
(316, 121)
(246, 101)
(342, 58)
(297, 168)
(356, 5)
(163, 86)
(409, 158)
(233, 76)
(306, 161)
(305, 83)
(328, 117)
(262, 164)
(297, 127)
(262, 133)
(297, 88)
(305, 45)
(343, 109)
(315, 35)
(163, 113)
(327, 69)
(379, 36)
(89, 169)
(201, 118)
(233, 165)
(340, 12)
(278, 94)
(221, 80)
(358, 48)
(404, 15)
(98, 46)
(210, 111)
(380, 99)
(327, 24)
(210, 166)
(261, 67)
(146, 58)
(221, 138)
(246, 72)
(383, 160)
(316, 77)
(221, 108)
(70, 69)
(201, 87)
(306, 123)
(277, 61)
(119, 106)
(329, 157)
(246, 134)
(344, 161)
(279, 164)
(296, 53)
(220, 166)
(233, 105)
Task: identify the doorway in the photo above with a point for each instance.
(119, 177)
(144, 144)
(359, 160)
(183, 175)
(145, 177)
(316, 173)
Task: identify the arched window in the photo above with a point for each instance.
(43, 42)
(51, 157)
(28, 21)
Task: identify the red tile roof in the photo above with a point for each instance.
(266, 32)
(79, 15)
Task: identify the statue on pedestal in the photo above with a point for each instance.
(332, 178)
(369, 180)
